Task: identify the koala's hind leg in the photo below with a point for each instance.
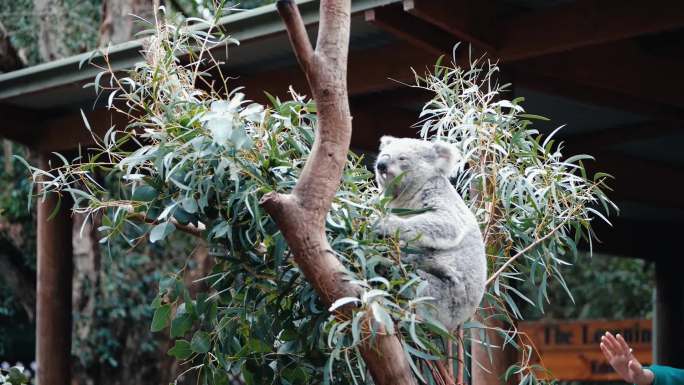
(450, 304)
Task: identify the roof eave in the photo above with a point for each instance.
(242, 26)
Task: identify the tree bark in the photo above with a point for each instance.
(301, 214)
(118, 24)
(10, 59)
(51, 29)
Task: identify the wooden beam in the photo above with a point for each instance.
(583, 23)
(393, 19)
(68, 131)
(643, 238)
(566, 87)
(604, 139)
(53, 305)
(468, 20)
(55, 130)
(369, 125)
(370, 70)
(635, 178)
(17, 122)
(623, 69)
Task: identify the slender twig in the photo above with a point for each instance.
(436, 374)
(192, 230)
(444, 373)
(525, 250)
(460, 358)
(450, 357)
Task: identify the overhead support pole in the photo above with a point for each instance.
(669, 313)
(53, 302)
(584, 23)
(393, 19)
(469, 21)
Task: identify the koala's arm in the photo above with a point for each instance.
(427, 230)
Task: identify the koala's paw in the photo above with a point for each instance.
(385, 226)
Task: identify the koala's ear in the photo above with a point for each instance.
(447, 156)
(385, 140)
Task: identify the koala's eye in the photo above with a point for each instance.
(402, 158)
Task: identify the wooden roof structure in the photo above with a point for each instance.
(609, 69)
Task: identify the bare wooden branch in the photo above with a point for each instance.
(301, 214)
(192, 230)
(299, 39)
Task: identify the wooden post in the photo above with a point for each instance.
(53, 304)
(489, 373)
(669, 314)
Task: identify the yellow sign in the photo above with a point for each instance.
(570, 349)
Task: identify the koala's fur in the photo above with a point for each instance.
(452, 255)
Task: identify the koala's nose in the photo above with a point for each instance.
(381, 167)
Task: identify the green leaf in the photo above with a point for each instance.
(160, 320)
(145, 193)
(181, 350)
(180, 325)
(161, 231)
(240, 139)
(258, 346)
(156, 302)
(200, 342)
(17, 376)
(533, 116)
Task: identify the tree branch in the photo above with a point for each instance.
(296, 30)
(192, 230)
(301, 215)
(523, 251)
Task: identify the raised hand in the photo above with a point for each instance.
(620, 357)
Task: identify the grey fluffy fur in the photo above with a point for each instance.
(451, 256)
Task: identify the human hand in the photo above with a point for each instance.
(620, 357)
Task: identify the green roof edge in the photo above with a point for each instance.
(242, 26)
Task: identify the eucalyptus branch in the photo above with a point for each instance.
(525, 250)
(192, 230)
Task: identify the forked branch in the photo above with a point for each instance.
(301, 215)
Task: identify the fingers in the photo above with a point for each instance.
(623, 344)
(613, 345)
(610, 344)
(635, 366)
(607, 353)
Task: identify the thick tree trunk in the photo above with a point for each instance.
(118, 24)
(301, 214)
(51, 29)
(10, 59)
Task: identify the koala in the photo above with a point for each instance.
(450, 252)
